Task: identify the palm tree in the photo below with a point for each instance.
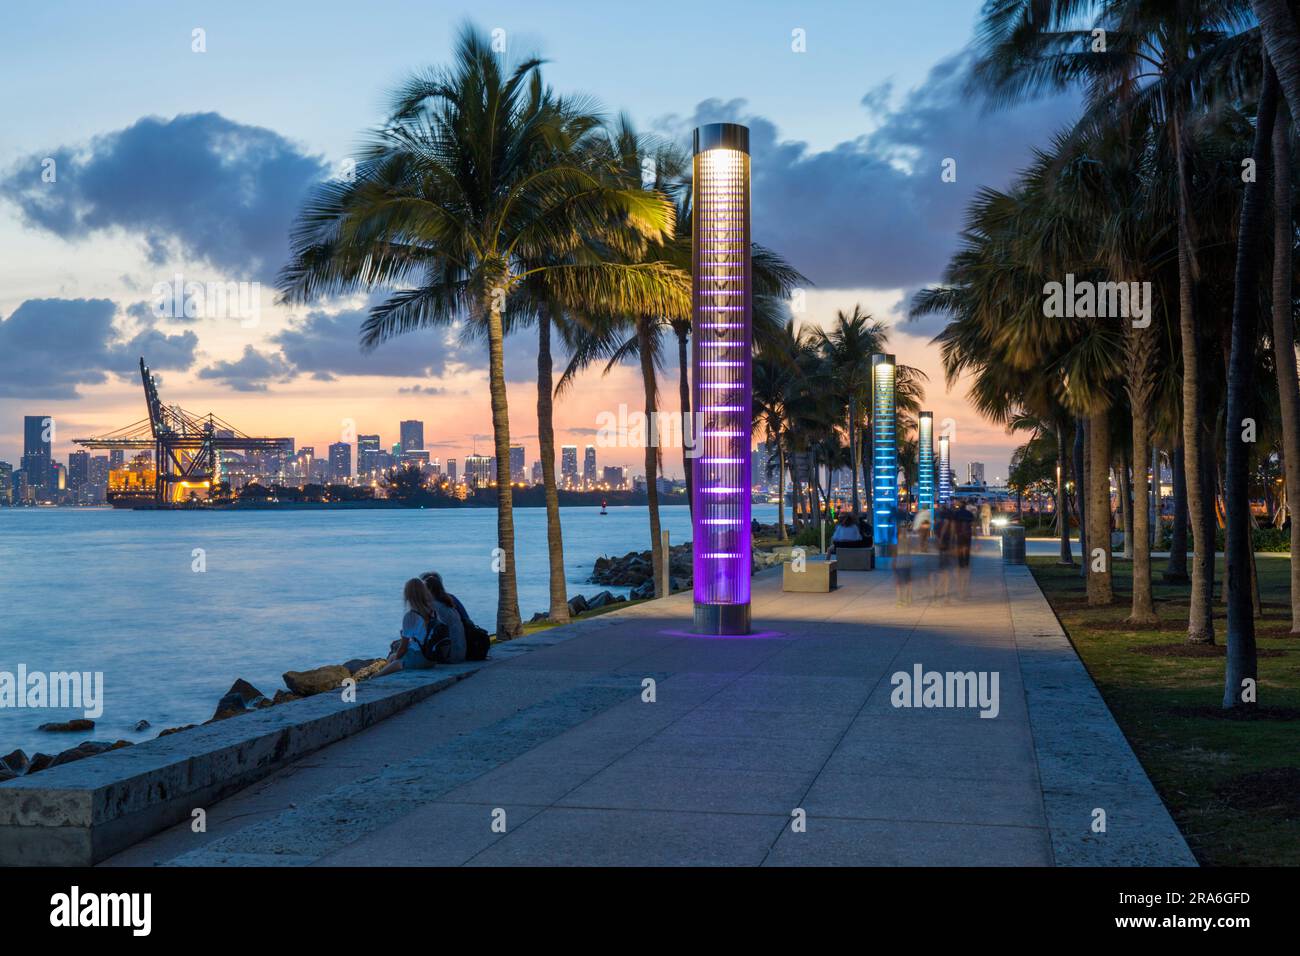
(847, 349)
(458, 198)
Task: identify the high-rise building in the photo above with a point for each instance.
(98, 479)
(614, 477)
(79, 475)
(569, 465)
(517, 463)
(589, 466)
(537, 473)
(6, 483)
(975, 473)
(368, 451)
(412, 435)
(116, 459)
(38, 433)
(340, 464)
(451, 470)
(480, 470)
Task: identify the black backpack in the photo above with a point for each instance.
(436, 634)
(477, 640)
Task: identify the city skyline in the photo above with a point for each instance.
(84, 306)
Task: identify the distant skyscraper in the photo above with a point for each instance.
(480, 470)
(37, 464)
(6, 483)
(613, 477)
(368, 451)
(589, 465)
(79, 475)
(340, 468)
(517, 463)
(412, 435)
(451, 470)
(537, 473)
(975, 473)
(569, 465)
(116, 459)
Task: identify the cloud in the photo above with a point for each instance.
(326, 344)
(251, 372)
(197, 185)
(51, 347)
(873, 211)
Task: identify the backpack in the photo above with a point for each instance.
(436, 634)
(477, 640)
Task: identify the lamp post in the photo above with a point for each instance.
(925, 461)
(945, 472)
(884, 451)
(721, 378)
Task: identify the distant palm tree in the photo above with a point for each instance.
(461, 196)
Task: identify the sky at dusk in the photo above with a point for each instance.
(170, 162)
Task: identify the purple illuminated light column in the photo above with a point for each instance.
(721, 380)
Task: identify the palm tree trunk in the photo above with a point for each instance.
(508, 623)
(1200, 619)
(546, 445)
(1126, 503)
(853, 452)
(1176, 567)
(1284, 357)
(1143, 611)
(1242, 667)
(1099, 523)
(1282, 40)
(645, 349)
(1081, 490)
(684, 399)
(1062, 507)
(780, 487)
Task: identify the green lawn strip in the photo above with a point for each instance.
(1232, 785)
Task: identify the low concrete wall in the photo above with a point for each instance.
(80, 813)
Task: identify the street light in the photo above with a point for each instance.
(884, 451)
(722, 378)
(925, 461)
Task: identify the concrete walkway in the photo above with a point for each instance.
(782, 748)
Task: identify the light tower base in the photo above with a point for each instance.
(722, 619)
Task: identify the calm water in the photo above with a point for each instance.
(114, 591)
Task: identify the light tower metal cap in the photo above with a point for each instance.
(721, 136)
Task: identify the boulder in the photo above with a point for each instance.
(539, 616)
(577, 604)
(16, 761)
(318, 681)
(358, 664)
(87, 748)
(174, 730)
(600, 600)
(40, 762)
(284, 696)
(246, 691)
(70, 726)
(143, 725)
(370, 670)
(232, 705)
(6, 773)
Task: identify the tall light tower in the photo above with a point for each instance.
(945, 471)
(925, 460)
(722, 378)
(884, 450)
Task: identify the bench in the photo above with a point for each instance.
(817, 577)
(856, 559)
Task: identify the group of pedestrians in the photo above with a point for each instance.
(951, 528)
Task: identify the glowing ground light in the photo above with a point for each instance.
(884, 451)
(721, 383)
(925, 460)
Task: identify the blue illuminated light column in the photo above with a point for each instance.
(722, 378)
(884, 450)
(945, 472)
(925, 461)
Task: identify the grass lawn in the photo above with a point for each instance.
(1232, 784)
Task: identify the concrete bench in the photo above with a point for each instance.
(817, 577)
(856, 559)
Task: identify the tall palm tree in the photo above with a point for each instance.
(847, 348)
(455, 201)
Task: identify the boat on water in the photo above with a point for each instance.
(603, 509)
